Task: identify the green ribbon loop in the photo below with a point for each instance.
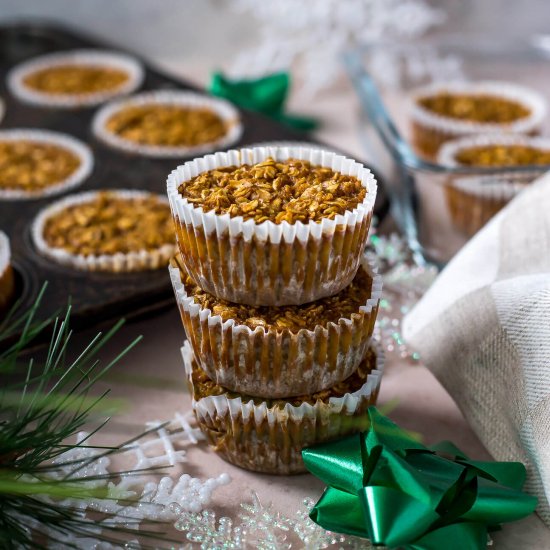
(265, 95)
(386, 486)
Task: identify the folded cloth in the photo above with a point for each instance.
(483, 329)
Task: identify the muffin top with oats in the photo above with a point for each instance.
(291, 190)
(474, 107)
(203, 386)
(109, 223)
(278, 318)
(27, 165)
(76, 79)
(167, 125)
(502, 155)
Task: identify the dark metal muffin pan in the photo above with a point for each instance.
(96, 298)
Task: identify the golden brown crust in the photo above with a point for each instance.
(167, 125)
(108, 224)
(292, 190)
(482, 108)
(502, 155)
(31, 165)
(76, 79)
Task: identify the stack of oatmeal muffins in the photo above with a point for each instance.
(277, 299)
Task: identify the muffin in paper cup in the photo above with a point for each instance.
(519, 110)
(474, 199)
(268, 263)
(268, 435)
(294, 352)
(41, 163)
(75, 78)
(145, 134)
(7, 280)
(136, 237)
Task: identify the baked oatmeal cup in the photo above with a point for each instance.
(168, 123)
(268, 435)
(40, 163)
(444, 111)
(280, 351)
(272, 226)
(474, 199)
(111, 231)
(76, 78)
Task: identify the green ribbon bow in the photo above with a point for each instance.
(387, 487)
(266, 95)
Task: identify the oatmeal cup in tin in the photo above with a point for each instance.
(271, 351)
(40, 163)
(444, 111)
(272, 226)
(168, 123)
(110, 231)
(474, 199)
(268, 435)
(76, 78)
(7, 279)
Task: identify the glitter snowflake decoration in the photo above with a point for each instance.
(309, 36)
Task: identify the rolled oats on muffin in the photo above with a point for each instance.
(444, 111)
(39, 163)
(272, 225)
(267, 435)
(113, 231)
(76, 78)
(271, 351)
(168, 124)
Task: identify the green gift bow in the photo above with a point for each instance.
(386, 486)
(266, 95)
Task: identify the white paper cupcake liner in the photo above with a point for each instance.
(534, 101)
(268, 263)
(225, 110)
(270, 439)
(5, 253)
(115, 263)
(112, 60)
(278, 363)
(75, 146)
(7, 282)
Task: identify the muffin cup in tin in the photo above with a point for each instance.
(257, 437)
(225, 110)
(113, 263)
(7, 278)
(474, 199)
(277, 363)
(95, 58)
(64, 141)
(267, 263)
(430, 130)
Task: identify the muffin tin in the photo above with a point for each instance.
(96, 298)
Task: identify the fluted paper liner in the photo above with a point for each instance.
(277, 363)
(225, 110)
(259, 438)
(65, 141)
(474, 200)
(114, 263)
(267, 263)
(431, 130)
(7, 283)
(96, 58)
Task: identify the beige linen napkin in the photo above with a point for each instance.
(483, 329)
